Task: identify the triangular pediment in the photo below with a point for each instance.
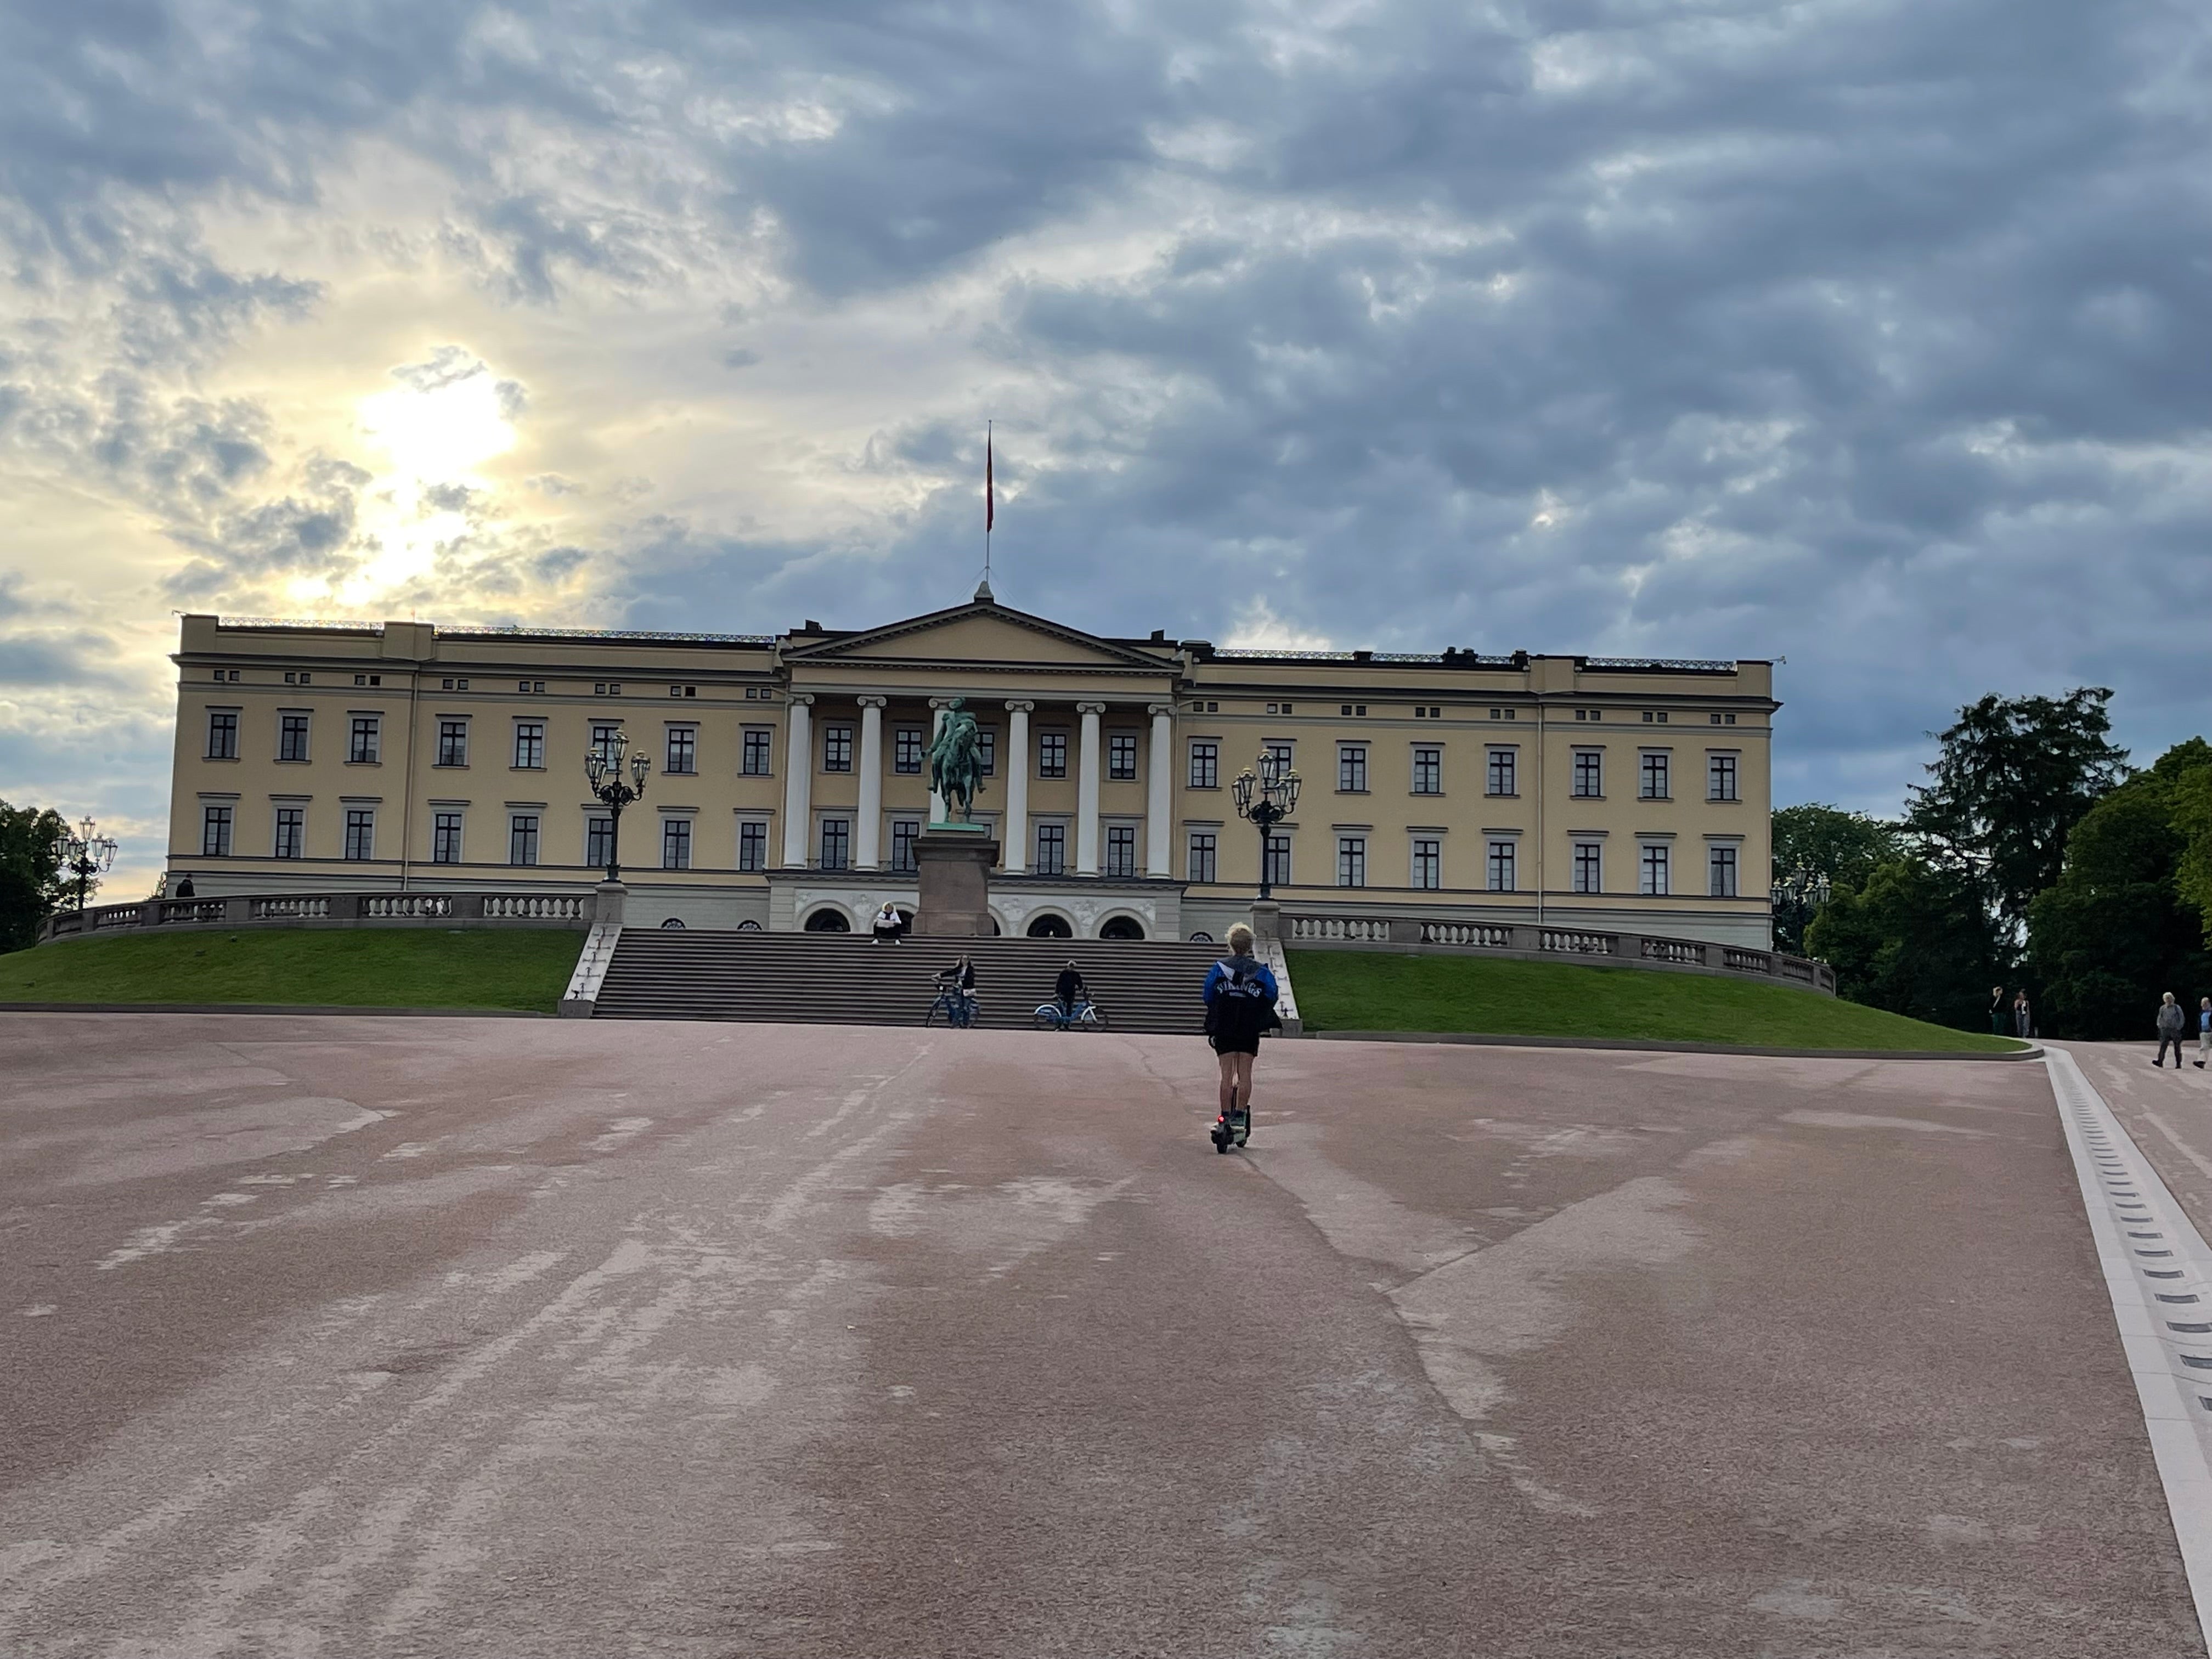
(983, 633)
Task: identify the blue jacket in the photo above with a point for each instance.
(1253, 967)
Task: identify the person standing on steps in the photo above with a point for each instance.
(2171, 1020)
(1240, 1005)
(1068, 991)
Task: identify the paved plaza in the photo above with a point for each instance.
(355, 1337)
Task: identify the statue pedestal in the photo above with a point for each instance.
(954, 860)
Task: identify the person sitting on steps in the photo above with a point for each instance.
(888, 924)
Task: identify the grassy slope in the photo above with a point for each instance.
(381, 968)
(1370, 991)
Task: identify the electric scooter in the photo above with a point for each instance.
(1232, 1128)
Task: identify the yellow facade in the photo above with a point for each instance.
(1567, 791)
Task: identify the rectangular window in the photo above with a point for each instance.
(1654, 786)
(1428, 771)
(1652, 879)
(1280, 748)
(222, 734)
(1589, 773)
(291, 737)
(682, 752)
(837, 844)
(1352, 772)
(1428, 862)
(907, 749)
(215, 832)
(986, 740)
(1052, 754)
(837, 749)
(752, 845)
(522, 838)
(755, 764)
(1121, 757)
(1052, 849)
(291, 832)
(362, 745)
(529, 747)
(1351, 860)
(606, 741)
(1501, 772)
(1590, 869)
(1121, 849)
(1201, 865)
(1279, 860)
(599, 841)
(446, 838)
(676, 843)
(1720, 777)
(904, 833)
(1721, 865)
(452, 743)
(1500, 866)
(1205, 766)
(360, 833)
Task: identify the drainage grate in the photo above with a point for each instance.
(2163, 1297)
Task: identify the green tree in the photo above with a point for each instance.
(2015, 776)
(1827, 841)
(2116, 929)
(30, 872)
(1915, 940)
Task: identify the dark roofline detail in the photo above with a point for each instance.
(291, 625)
(516, 631)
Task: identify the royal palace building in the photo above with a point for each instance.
(788, 779)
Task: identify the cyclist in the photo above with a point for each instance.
(960, 977)
(1070, 992)
(1240, 1005)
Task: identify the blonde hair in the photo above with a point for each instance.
(1240, 939)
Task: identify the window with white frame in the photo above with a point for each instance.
(291, 833)
(905, 833)
(1428, 770)
(360, 833)
(606, 740)
(682, 750)
(837, 844)
(291, 737)
(1428, 862)
(599, 841)
(753, 844)
(1052, 849)
(1653, 775)
(522, 838)
(1351, 860)
(1121, 849)
(446, 838)
(1280, 748)
(755, 760)
(987, 750)
(1352, 774)
(1278, 855)
(1052, 754)
(1720, 866)
(1500, 773)
(1720, 777)
(1588, 773)
(529, 747)
(907, 749)
(1201, 864)
(1498, 867)
(676, 843)
(837, 749)
(222, 734)
(1652, 870)
(215, 831)
(1121, 757)
(1204, 763)
(1590, 866)
(365, 740)
(452, 743)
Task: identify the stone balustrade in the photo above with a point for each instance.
(1542, 944)
(574, 910)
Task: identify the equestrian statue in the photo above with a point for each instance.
(956, 762)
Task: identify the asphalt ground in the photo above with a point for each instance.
(334, 1336)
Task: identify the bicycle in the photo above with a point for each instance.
(1088, 1017)
(960, 1008)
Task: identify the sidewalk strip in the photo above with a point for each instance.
(2158, 1271)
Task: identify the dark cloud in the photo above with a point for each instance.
(84, 657)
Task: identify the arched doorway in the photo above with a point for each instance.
(1122, 927)
(1048, 925)
(827, 921)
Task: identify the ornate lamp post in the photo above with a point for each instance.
(1265, 797)
(602, 768)
(86, 853)
(1801, 892)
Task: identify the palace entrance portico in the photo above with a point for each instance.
(1079, 783)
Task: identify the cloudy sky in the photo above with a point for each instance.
(1872, 334)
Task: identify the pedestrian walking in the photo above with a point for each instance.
(2023, 1017)
(1239, 1005)
(1999, 1021)
(2203, 1032)
(2171, 1021)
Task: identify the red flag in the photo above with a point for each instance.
(990, 494)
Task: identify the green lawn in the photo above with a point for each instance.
(1373, 991)
(380, 968)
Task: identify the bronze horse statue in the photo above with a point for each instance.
(956, 762)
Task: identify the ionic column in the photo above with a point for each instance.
(1159, 792)
(1086, 792)
(868, 855)
(935, 725)
(798, 781)
(1015, 842)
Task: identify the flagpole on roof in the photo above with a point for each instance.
(990, 511)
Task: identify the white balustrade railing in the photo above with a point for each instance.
(1583, 945)
(392, 906)
(1674, 949)
(1488, 935)
(1357, 929)
(516, 907)
(290, 907)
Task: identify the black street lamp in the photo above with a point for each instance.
(86, 853)
(603, 767)
(1800, 893)
(1266, 798)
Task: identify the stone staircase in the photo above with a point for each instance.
(846, 979)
